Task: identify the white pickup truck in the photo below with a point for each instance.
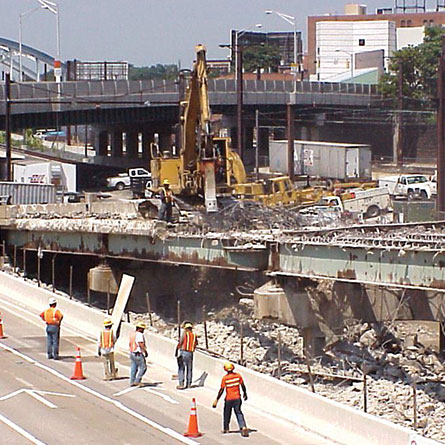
(368, 203)
(123, 180)
(411, 186)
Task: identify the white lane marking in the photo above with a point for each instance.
(24, 382)
(50, 393)
(124, 391)
(12, 394)
(41, 399)
(21, 431)
(164, 396)
(116, 403)
(37, 395)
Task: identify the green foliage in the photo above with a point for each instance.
(419, 71)
(32, 141)
(159, 71)
(261, 56)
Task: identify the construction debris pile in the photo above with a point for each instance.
(392, 365)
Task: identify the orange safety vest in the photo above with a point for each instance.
(106, 339)
(232, 382)
(189, 342)
(52, 316)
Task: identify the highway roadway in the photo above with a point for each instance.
(39, 403)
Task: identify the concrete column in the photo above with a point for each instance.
(132, 143)
(249, 154)
(263, 142)
(101, 143)
(147, 139)
(233, 136)
(116, 144)
(165, 141)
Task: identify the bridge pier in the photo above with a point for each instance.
(147, 139)
(132, 144)
(101, 143)
(116, 144)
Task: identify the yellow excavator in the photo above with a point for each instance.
(206, 164)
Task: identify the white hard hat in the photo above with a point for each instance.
(52, 300)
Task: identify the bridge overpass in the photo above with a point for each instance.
(377, 273)
(148, 107)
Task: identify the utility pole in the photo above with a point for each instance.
(257, 148)
(399, 122)
(440, 203)
(290, 141)
(8, 126)
(239, 100)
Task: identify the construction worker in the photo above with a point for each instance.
(105, 348)
(184, 352)
(232, 382)
(167, 199)
(138, 353)
(53, 318)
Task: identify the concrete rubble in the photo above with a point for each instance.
(390, 355)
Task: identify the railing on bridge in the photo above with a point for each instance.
(125, 88)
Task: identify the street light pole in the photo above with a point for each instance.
(21, 16)
(351, 55)
(291, 20)
(54, 8)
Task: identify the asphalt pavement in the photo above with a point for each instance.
(40, 404)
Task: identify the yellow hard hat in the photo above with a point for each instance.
(166, 182)
(187, 324)
(141, 324)
(107, 322)
(229, 366)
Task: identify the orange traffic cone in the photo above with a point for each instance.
(192, 430)
(78, 373)
(2, 335)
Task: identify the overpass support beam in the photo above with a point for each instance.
(101, 143)
(132, 144)
(263, 142)
(116, 144)
(147, 139)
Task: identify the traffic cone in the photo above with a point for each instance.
(2, 335)
(192, 430)
(78, 373)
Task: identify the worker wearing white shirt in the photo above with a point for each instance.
(138, 353)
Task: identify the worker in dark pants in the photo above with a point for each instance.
(167, 199)
(232, 382)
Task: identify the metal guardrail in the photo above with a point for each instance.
(120, 88)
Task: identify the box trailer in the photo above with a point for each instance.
(16, 193)
(60, 174)
(328, 160)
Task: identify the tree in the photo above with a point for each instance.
(261, 56)
(419, 70)
(158, 71)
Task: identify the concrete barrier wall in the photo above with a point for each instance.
(113, 207)
(328, 418)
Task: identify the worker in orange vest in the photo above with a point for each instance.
(107, 340)
(53, 318)
(167, 200)
(232, 382)
(138, 353)
(184, 353)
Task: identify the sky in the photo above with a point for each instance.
(147, 32)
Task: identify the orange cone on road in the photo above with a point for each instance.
(78, 373)
(2, 335)
(192, 430)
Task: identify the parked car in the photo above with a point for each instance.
(411, 186)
